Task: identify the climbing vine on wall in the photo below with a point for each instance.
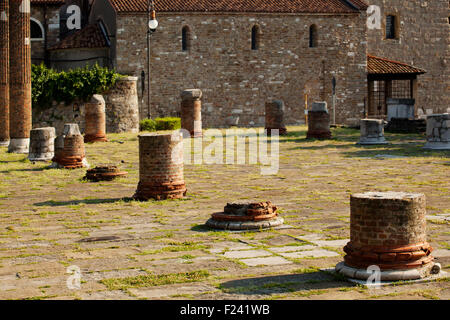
(49, 85)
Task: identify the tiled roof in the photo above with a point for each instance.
(90, 36)
(262, 6)
(376, 65)
(47, 2)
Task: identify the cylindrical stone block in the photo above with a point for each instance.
(438, 132)
(69, 149)
(42, 144)
(20, 76)
(122, 106)
(388, 230)
(4, 73)
(275, 117)
(319, 121)
(95, 119)
(191, 112)
(372, 132)
(161, 174)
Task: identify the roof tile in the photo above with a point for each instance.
(255, 6)
(376, 65)
(90, 36)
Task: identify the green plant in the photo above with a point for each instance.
(160, 124)
(49, 85)
(147, 125)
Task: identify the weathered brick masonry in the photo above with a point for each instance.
(388, 230)
(161, 168)
(236, 81)
(20, 76)
(4, 72)
(423, 41)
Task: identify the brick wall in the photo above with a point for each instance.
(49, 19)
(237, 81)
(424, 38)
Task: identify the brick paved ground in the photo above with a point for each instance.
(161, 250)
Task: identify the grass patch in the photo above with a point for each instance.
(154, 280)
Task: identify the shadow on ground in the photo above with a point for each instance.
(285, 283)
(53, 203)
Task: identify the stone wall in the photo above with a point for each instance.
(121, 110)
(237, 81)
(48, 16)
(423, 41)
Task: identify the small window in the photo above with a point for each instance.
(185, 39)
(36, 30)
(313, 36)
(255, 38)
(391, 32)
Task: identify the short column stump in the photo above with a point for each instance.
(104, 173)
(42, 144)
(388, 230)
(318, 122)
(275, 117)
(372, 132)
(95, 120)
(161, 167)
(246, 216)
(438, 132)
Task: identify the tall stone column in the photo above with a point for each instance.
(20, 76)
(4, 73)
(191, 111)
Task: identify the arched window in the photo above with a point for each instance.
(255, 38)
(36, 29)
(185, 38)
(391, 27)
(313, 36)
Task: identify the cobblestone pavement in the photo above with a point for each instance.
(52, 221)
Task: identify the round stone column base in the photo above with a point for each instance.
(4, 143)
(19, 145)
(41, 157)
(95, 138)
(388, 275)
(70, 163)
(318, 135)
(244, 225)
(173, 191)
(437, 146)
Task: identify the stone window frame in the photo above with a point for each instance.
(396, 26)
(313, 36)
(186, 38)
(255, 37)
(40, 26)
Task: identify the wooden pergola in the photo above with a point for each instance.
(389, 79)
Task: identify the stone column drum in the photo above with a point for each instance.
(191, 111)
(438, 132)
(275, 117)
(122, 106)
(95, 120)
(318, 121)
(388, 230)
(161, 174)
(4, 73)
(19, 76)
(69, 149)
(42, 144)
(372, 132)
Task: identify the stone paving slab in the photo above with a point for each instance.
(173, 290)
(317, 253)
(331, 243)
(267, 261)
(246, 254)
(441, 253)
(230, 246)
(291, 248)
